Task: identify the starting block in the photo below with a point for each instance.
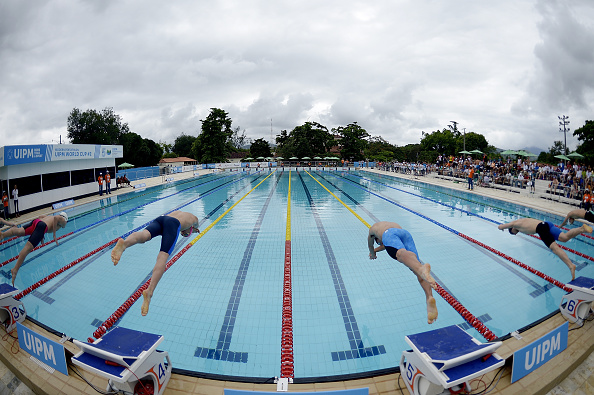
(445, 358)
(576, 305)
(11, 310)
(125, 357)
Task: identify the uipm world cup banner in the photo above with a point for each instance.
(20, 154)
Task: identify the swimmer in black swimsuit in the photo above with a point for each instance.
(549, 235)
(579, 213)
(36, 230)
(169, 227)
(399, 244)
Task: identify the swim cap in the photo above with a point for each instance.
(63, 215)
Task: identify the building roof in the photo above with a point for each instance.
(177, 160)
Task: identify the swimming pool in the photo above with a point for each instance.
(220, 304)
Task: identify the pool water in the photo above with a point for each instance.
(219, 306)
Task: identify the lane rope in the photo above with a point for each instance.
(108, 323)
(287, 362)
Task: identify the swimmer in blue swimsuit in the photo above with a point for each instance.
(549, 234)
(399, 245)
(169, 227)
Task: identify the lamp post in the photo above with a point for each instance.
(564, 121)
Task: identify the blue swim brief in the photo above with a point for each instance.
(166, 227)
(548, 232)
(395, 238)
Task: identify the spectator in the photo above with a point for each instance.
(15, 198)
(5, 203)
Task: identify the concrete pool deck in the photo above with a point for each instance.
(571, 372)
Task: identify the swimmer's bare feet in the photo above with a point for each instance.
(431, 310)
(145, 304)
(426, 275)
(117, 251)
(587, 228)
(13, 272)
(572, 268)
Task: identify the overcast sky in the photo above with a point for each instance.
(505, 69)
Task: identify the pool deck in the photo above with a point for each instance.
(570, 372)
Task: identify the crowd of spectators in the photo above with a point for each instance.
(571, 180)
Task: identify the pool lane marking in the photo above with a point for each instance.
(358, 349)
(222, 350)
(513, 260)
(539, 289)
(287, 361)
(78, 231)
(469, 317)
(101, 249)
(474, 214)
(136, 295)
(44, 296)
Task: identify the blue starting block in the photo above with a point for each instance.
(125, 357)
(576, 305)
(11, 310)
(445, 358)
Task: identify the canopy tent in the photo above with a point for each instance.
(464, 152)
(563, 157)
(260, 158)
(509, 152)
(575, 155)
(279, 158)
(249, 158)
(306, 158)
(125, 165)
(476, 151)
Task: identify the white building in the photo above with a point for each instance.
(51, 173)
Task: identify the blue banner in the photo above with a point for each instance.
(539, 352)
(43, 349)
(18, 154)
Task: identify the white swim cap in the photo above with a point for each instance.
(63, 215)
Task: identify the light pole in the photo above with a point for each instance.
(564, 121)
(456, 129)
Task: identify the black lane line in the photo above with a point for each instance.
(539, 289)
(358, 349)
(222, 352)
(96, 322)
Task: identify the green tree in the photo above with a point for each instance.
(183, 145)
(260, 147)
(585, 134)
(353, 143)
(93, 127)
(442, 142)
(140, 151)
(473, 141)
(239, 140)
(379, 150)
(310, 139)
(214, 143)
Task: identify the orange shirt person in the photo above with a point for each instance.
(100, 181)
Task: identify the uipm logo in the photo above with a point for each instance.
(24, 153)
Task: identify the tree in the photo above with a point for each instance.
(310, 139)
(183, 145)
(443, 142)
(379, 150)
(239, 140)
(586, 135)
(140, 151)
(92, 127)
(260, 147)
(214, 144)
(352, 141)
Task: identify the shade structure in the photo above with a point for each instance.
(530, 154)
(464, 152)
(279, 158)
(476, 151)
(125, 165)
(293, 158)
(248, 158)
(306, 157)
(509, 152)
(575, 155)
(260, 157)
(317, 157)
(563, 157)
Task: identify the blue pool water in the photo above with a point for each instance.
(219, 306)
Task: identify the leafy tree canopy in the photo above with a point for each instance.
(260, 147)
(585, 134)
(95, 127)
(214, 143)
(140, 151)
(352, 141)
(183, 145)
(310, 139)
